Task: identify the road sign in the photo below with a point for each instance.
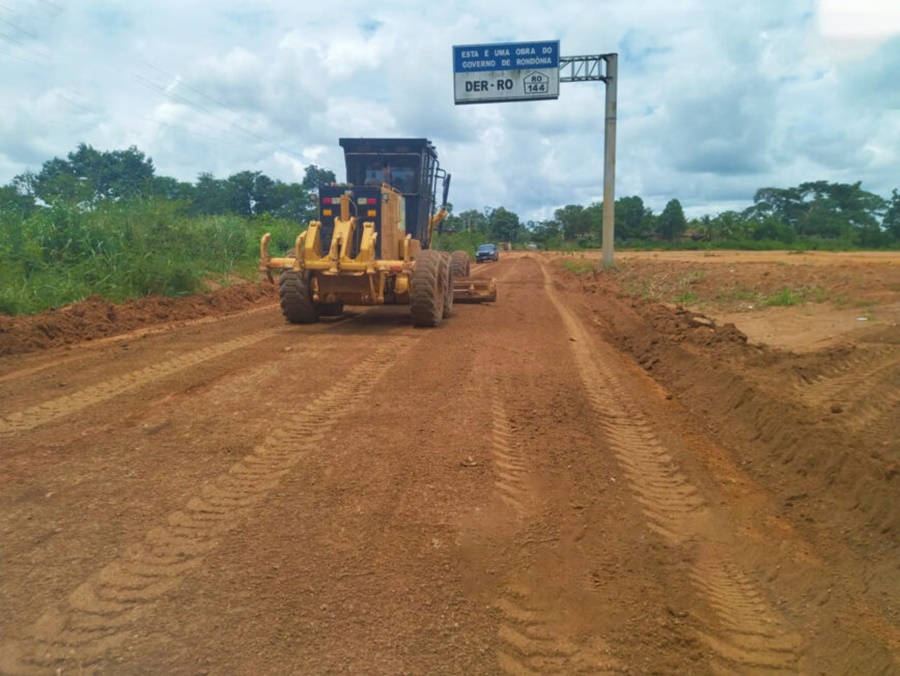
(515, 71)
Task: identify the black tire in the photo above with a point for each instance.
(334, 309)
(448, 285)
(427, 283)
(460, 263)
(296, 304)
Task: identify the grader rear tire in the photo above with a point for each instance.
(427, 284)
(447, 266)
(296, 304)
(459, 261)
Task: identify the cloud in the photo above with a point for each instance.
(714, 99)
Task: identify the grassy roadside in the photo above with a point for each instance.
(125, 250)
(741, 287)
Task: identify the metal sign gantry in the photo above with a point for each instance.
(523, 71)
(603, 67)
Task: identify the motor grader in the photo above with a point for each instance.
(371, 243)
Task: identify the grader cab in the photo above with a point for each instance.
(371, 243)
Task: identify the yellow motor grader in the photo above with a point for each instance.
(371, 244)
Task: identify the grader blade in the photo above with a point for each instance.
(474, 290)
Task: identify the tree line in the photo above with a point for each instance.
(87, 177)
(103, 222)
(817, 214)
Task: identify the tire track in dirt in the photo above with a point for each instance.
(531, 645)
(47, 411)
(531, 635)
(508, 463)
(756, 637)
(753, 635)
(130, 335)
(861, 387)
(102, 612)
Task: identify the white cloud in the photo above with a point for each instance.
(716, 99)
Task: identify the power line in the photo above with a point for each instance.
(181, 99)
(192, 132)
(23, 59)
(43, 55)
(197, 106)
(184, 84)
(18, 28)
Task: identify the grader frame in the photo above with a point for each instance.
(386, 260)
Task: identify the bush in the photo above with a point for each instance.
(125, 250)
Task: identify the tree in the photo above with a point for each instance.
(210, 195)
(291, 201)
(891, 221)
(786, 205)
(630, 215)
(704, 228)
(671, 223)
(130, 173)
(88, 176)
(504, 225)
(772, 229)
(314, 177)
(822, 209)
(250, 193)
(171, 189)
(55, 184)
(545, 233)
(467, 221)
(573, 220)
(15, 201)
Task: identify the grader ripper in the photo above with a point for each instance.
(391, 189)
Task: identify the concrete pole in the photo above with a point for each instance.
(609, 163)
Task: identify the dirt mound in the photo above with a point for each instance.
(820, 428)
(96, 317)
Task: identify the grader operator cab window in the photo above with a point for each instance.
(404, 179)
(399, 172)
(378, 173)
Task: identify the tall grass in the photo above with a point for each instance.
(124, 250)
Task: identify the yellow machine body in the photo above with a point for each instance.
(371, 243)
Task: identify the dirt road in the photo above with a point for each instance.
(567, 481)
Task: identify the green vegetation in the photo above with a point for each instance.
(670, 288)
(122, 250)
(686, 288)
(104, 223)
(579, 267)
(814, 216)
(787, 296)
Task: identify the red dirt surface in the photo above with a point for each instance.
(584, 477)
(96, 317)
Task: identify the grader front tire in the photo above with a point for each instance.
(296, 303)
(427, 289)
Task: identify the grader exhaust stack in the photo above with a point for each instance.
(371, 244)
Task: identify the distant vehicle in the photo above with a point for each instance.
(487, 252)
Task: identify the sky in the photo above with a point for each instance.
(716, 98)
